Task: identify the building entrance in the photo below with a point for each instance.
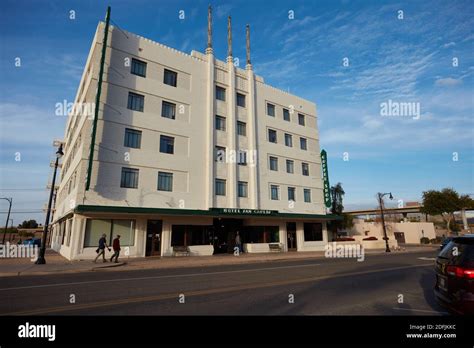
(224, 232)
(153, 237)
(291, 236)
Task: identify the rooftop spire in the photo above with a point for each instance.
(247, 36)
(229, 37)
(209, 30)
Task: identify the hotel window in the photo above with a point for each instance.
(133, 138)
(301, 119)
(305, 169)
(307, 195)
(220, 123)
(291, 194)
(165, 181)
(303, 144)
(168, 110)
(274, 189)
(241, 128)
(242, 157)
(220, 93)
(286, 115)
(220, 154)
(135, 101)
(220, 187)
(166, 144)
(242, 188)
(270, 109)
(96, 228)
(272, 136)
(241, 100)
(273, 163)
(288, 140)
(138, 67)
(170, 78)
(290, 166)
(129, 178)
(313, 232)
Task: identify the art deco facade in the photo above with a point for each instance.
(187, 150)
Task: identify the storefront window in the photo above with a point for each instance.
(96, 228)
(126, 230)
(94, 231)
(313, 232)
(260, 234)
(183, 235)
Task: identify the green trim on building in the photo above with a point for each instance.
(97, 99)
(195, 212)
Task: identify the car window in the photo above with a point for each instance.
(458, 252)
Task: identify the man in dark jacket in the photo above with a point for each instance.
(101, 249)
(116, 247)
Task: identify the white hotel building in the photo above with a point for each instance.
(168, 170)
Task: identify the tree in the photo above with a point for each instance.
(337, 196)
(337, 208)
(445, 203)
(29, 224)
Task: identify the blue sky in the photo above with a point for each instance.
(403, 60)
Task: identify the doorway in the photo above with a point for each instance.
(223, 234)
(291, 236)
(400, 237)
(153, 237)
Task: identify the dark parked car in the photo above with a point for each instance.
(33, 242)
(455, 275)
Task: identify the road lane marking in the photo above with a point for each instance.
(168, 296)
(427, 258)
(158, 277)
(418, 310)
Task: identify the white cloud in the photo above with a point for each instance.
(449, 44)
(448, 82)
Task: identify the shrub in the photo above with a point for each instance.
(424, 240)
(371, 238)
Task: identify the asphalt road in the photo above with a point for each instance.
(317, 287)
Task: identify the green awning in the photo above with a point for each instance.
(214, 212)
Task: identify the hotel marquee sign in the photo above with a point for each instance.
(327, 191)
(236, 211)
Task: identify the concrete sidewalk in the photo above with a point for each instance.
(56, 264)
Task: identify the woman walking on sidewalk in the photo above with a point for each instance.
(116, 247)
(101, 249)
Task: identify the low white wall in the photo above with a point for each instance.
(378, 244)
(312, 246)
(201, 250)
(256, 247)
(413, 231)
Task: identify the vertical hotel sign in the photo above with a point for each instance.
(97, 99)
(324, 165)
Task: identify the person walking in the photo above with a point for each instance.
(116, 247)
(101, 249)
(238, 242)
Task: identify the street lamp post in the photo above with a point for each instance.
(380, 197)
(11, 230)
(10, 200)
(41, 260)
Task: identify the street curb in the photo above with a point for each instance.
(109, 265)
